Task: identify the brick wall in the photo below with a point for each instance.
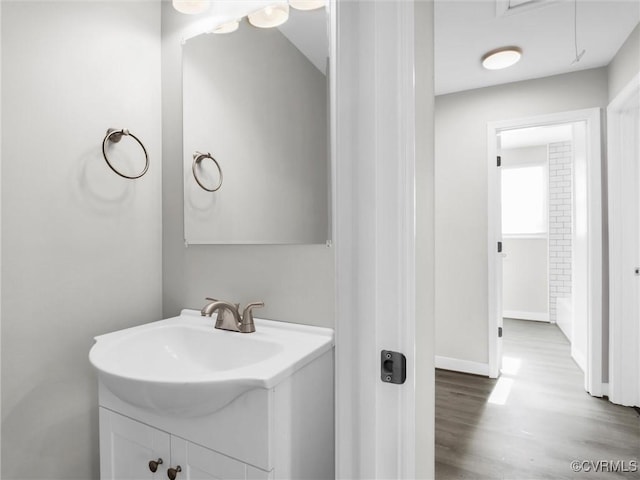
(560, 213)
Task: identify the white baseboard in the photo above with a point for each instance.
(579, 358)
(522, 315)
(464, 366)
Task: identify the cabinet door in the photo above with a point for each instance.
(199, 463)
(127, 446)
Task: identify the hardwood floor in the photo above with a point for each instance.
(547, 421)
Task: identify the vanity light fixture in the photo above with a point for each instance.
(191, 7)
(307, 4)
(228, 27)
(270, 16)
(502, 57)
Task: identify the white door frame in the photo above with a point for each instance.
(373, 129)
(593, 373)
(0, 219)
(624, 232)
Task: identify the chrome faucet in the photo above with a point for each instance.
(229, 317)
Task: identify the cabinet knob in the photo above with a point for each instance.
(172, 473)
(153, 464)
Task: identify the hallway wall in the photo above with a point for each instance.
(625, 65)
(425, 321)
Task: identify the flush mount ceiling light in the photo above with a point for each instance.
(501, 58)
(307, 4)
(191, 7)
(270, 16)
(227, 27)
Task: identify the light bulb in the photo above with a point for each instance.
(307, 4)
(270, 16)
(191, 7)
(227, 27)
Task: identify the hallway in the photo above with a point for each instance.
(546, 420)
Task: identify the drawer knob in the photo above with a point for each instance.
(153, 464)
(172, 473)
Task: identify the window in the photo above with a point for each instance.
(524, 200)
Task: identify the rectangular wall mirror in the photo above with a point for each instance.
(257, 101)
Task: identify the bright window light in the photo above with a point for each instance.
(524, 200)
(501, 391)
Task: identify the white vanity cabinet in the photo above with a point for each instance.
(285, 432)
(127, 447)
(218, 404)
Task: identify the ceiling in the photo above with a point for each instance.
(307, 30)
(465, 30)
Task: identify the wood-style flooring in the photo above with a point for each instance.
(547, 421)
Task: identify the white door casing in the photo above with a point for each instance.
(494, 264)
(593, 237)
(623, 129)
(374, 234)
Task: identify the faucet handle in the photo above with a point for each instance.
(248, 309)
(211, 299)
(247, 325)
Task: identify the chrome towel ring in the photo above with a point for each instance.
(197, 158)
(115, 136)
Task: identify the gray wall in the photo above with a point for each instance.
(81, 252)
(625, 65)
(295, 282)
(425, 322)
(461, 194)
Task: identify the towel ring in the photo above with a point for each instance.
(117, 136)
(197, 158)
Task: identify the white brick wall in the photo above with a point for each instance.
(560, 193)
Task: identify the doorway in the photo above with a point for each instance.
(557, 222)
(539, 228)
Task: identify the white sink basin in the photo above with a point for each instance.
(183, 366)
